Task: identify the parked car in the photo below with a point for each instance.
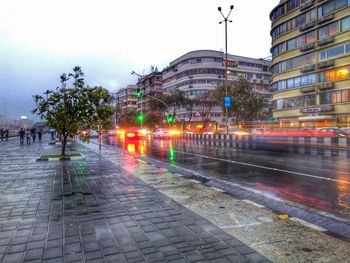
(161, 133)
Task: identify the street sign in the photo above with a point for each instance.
(227, 101)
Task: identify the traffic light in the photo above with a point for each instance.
(140, 117)
(138, 93)
(170, 119)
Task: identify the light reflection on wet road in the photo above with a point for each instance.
(319, 182)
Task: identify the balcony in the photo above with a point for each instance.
(325, 41)
(325, 19)
(306, 5)
(307, 26)
(307, 47)
(326, 64)
(326, 86)
(307, 68)
(308, 89)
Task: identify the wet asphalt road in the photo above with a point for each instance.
(317, 182)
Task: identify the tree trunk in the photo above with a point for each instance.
(65, 136)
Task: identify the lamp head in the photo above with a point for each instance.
(231, 7)
(219, 8)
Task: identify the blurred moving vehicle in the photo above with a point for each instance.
(161, 133)
(135, 134)
(345, 131)
(260, 131)
(330, 131)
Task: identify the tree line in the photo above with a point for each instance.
(74, 106)
(247, 105)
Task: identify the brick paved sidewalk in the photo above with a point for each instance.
(94, 211)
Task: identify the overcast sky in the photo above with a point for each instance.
(41, 39)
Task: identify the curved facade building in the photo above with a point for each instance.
(197, 72)
(311, 62)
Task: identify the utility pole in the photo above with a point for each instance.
(226, 93)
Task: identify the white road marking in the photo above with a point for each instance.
(267, 168)
(240, 225)
(217, 189)
(195, 181)
(310, 225)
(253, 203)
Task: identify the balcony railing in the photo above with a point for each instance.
(308, 89)
(306, 5)
(325, 41)
(325, 18)
(326, 64)
(307, 68)
(307, 26)
(307, 47)
(326, 86)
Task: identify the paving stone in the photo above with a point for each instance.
(13, 258)
(94, 211)
(111, 250)
(115, 258)
(51, 253)
(34, 254)
(93, 255)
(16, 248)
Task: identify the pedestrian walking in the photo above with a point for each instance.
(6, 134)
(2, 134)
(40, 134)
(22, 133)
(33, 133)
(52, 131)
(28, 136)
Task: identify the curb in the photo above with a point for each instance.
(73, 158)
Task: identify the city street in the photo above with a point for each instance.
(317, 184)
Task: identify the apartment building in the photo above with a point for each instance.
(197, 72)
(311, 62)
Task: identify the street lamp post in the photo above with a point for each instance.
(225, 20)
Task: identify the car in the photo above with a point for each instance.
(161, 133)
(345, 131)
(329, 131)
(135, 134)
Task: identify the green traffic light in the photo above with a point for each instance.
(140, 117)
(170, 119)
(138, 93)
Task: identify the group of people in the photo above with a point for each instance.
(29, 134)
(4, 134)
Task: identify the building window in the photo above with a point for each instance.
(325, 98)
(335, 51)
(334, 74)
(344, 121)
(294, 102)
(331, 6)
(345, 23)
(339, 96)
(328, 30)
